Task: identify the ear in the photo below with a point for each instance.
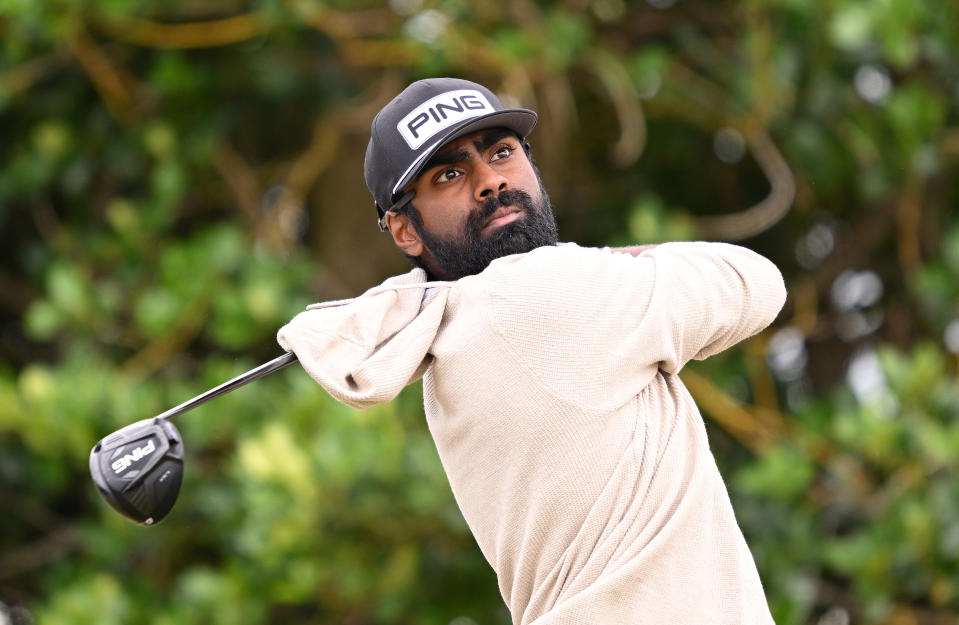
(404, 235)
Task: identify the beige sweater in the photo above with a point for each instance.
(574, 451)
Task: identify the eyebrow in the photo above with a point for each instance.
(446, 158)
(450, 157)
(492, 137)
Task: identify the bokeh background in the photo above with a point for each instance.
(180, 177)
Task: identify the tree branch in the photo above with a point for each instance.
(765, 214)
(35, 555)
(24, 77)
(115, 87)
(754, 432)
(207, 34)
(158, 353)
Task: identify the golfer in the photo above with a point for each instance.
(550, 372)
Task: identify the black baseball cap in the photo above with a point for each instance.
(419, 121)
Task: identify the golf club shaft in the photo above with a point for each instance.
(235, 383)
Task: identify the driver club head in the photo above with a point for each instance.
(138, 469)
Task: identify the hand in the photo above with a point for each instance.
(635, 250)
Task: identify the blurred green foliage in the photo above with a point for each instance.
(177, 179)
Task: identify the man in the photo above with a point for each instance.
(575, 453)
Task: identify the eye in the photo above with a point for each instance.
(502, 152)
(446, 175)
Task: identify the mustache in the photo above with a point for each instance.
(509, 197)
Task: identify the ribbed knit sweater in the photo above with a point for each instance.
(575, 453)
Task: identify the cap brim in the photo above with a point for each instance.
(520, 121)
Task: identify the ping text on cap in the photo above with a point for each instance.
(441, 112)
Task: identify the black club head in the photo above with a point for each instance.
(138, 469)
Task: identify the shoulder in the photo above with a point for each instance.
(555, 277)
(563, 259)
(603, 272)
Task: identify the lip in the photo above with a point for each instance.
(498, 220)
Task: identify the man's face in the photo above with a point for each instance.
(477, 199)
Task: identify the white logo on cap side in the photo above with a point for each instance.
(441, 112)
(402, 179)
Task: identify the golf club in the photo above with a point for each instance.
(139, 468)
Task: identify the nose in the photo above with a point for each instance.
(488, 181)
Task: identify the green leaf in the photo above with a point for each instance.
(851, 26)
(158, 311)
(780, 472)
(43, 320)
(67, 288)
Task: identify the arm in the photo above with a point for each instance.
(609, 315)
(688, 300)
(706, 297)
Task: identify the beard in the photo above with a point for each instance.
(473, 252)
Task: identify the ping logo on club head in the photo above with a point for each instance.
(441, 112)
(125, 461)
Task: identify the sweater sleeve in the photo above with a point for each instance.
(703, 299)
(598, 324)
